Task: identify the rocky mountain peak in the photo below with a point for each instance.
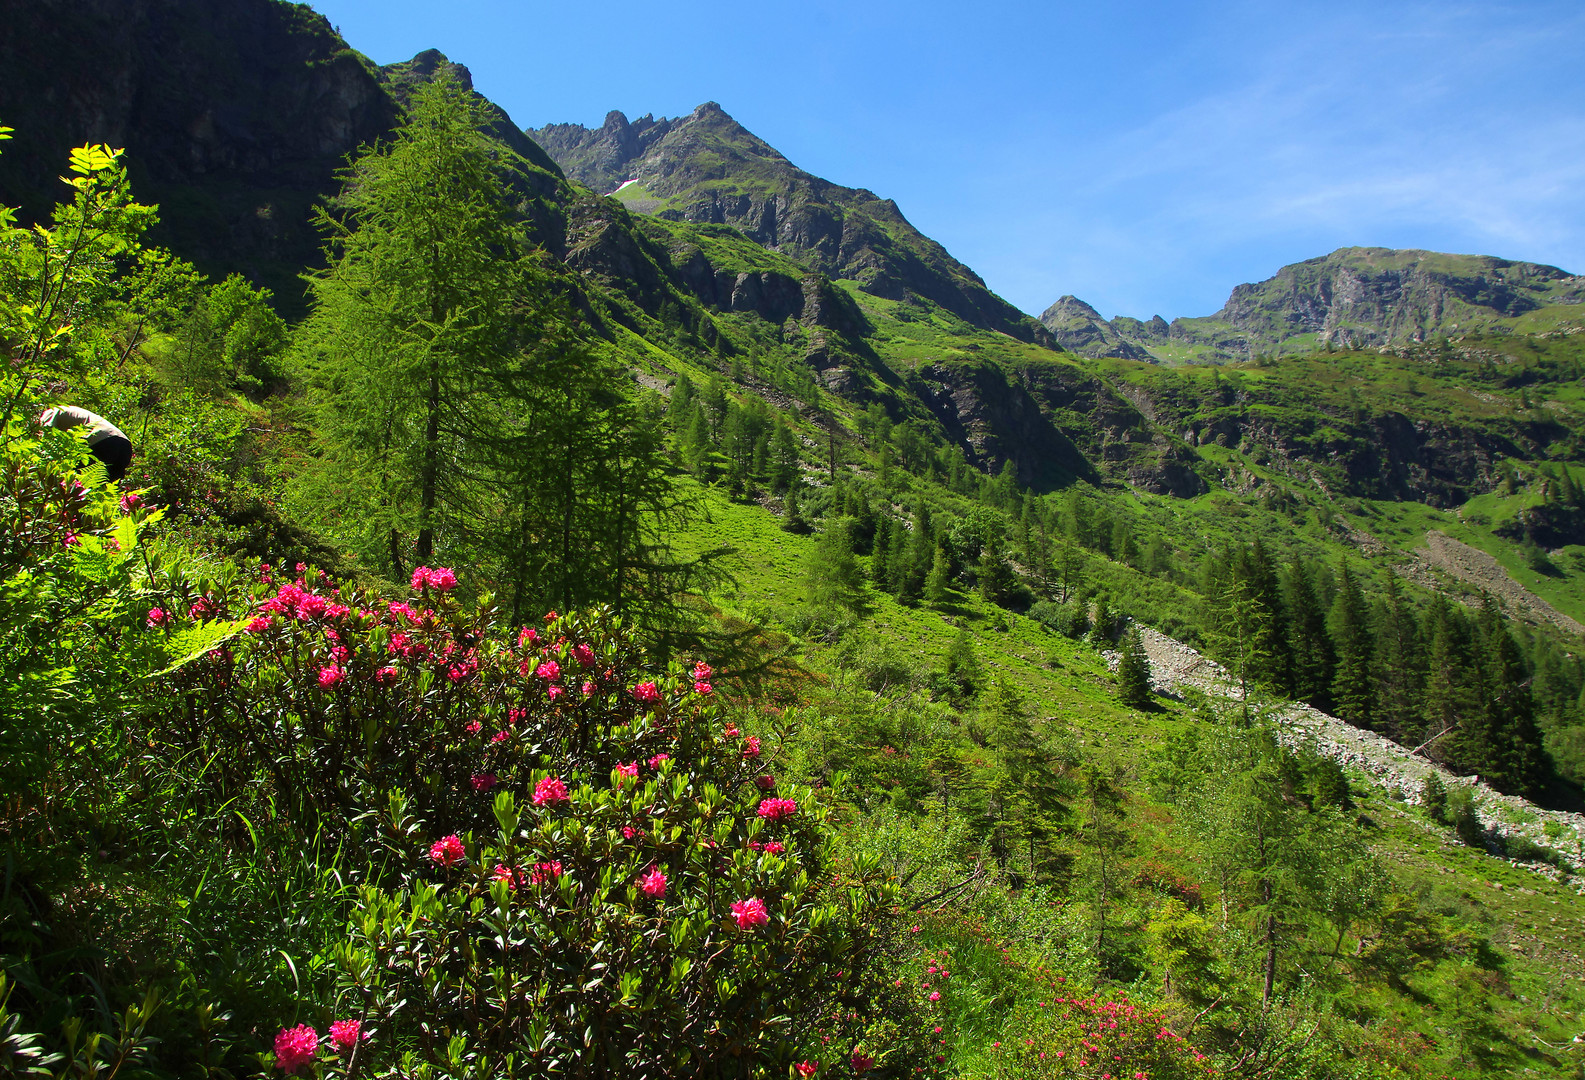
(707, 168)
(1353, 297)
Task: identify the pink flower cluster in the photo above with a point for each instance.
(158, 617)
(448, 850)
(774, 847)
(774, 809)
(296, 1047)
(653, 884)
(750, 913)
(647, 692)
(549, 792)
(344, 1034)
(440, 578)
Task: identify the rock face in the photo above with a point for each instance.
(236, 116)
(708, 168)
(1352, 298)
(1079, 328)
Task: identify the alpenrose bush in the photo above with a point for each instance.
(1090, 1037)
(590, 870)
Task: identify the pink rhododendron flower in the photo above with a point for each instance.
(653, 884)
(502, 736)
(473, 727)
(158, 617)
(703, 689)
(751, 750)
(420, 577)
(628, 770)
(331, 675)
(260, 624)
(344, 1033)
(528, 637)
(70, 540)
(584, 655)
(861, 1062)
(702, 671)
(731, 731)
(543, 872)
(442, 578)
(130, 502)
(765, 783)
(340, 654)
(750, 913)
(773, 848)
(806, 1069)
(461, 670)
(628, 832)
(935, 995)
(554, 692)
(550, 671)
(448, 850)
(386, 675)
(482, 781)
(654, 762)
(312, 607)
(200, 609)
(550, 791)
(774, 809)
(588, 688)
(337, 611)
(506, 874)
(646, 692)
(295, 1047)
(551, 616)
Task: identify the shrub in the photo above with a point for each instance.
(1092, 1037)
(587, 867)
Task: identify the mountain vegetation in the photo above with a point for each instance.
(702, 631)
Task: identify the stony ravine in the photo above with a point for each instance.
(1380, 761)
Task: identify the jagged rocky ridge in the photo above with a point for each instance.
(1352, 298)
(706, 167)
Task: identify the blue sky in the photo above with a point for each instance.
(1145, 157)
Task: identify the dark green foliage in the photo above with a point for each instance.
(1433, 797)
(963, 677)
(1133, 671)
(1352, 685)
(1310, 645)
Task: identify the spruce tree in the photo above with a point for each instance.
(1353, 683)
(1133, 672)
(1309, 644)
(1400, 675)
(1452, 686)
(1505, 744)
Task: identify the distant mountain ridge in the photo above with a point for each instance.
(706, 168)
(1352, 298)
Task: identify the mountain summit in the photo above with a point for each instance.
(708, 168)
(1351, 298)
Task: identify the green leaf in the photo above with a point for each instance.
(192, 642)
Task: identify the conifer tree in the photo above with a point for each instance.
(1504, 745)
(1452, 685)
(938, 586)
(1133, 671)
(422, 301)
(1400, 675)
(1310, 645)
(833, 573)
(1352, 684)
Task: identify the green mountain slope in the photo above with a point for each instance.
(706, 167)
(1352, 298)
